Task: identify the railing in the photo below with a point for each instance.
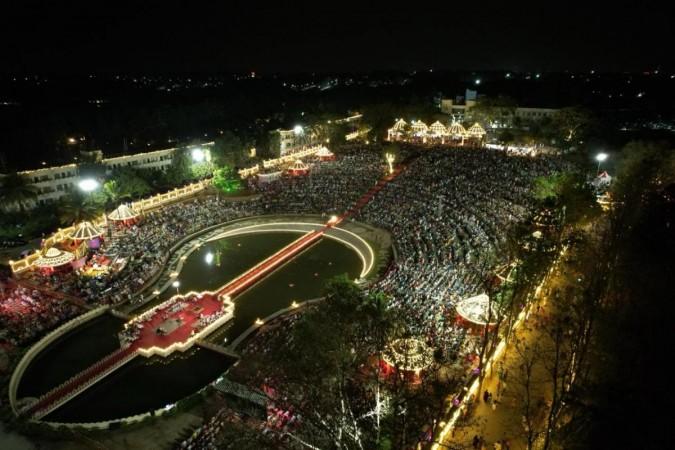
(79, 382)
(63, 234)
(269, 163)
(43, 343)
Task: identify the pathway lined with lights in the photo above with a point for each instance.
(180, 323)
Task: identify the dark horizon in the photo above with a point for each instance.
(287, 38)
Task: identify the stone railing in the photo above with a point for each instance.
(156, 201)
(42, 344)
(269, 163)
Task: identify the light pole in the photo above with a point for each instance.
(600, 157)
(176, 284)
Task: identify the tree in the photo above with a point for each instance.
(129, 183)
(489, 110)
(16, 190)
(181, 168)
(76, 208)
(226, 180)
(571, 124)
(228, 150)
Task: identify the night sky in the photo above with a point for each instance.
(283, 36)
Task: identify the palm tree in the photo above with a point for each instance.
(75, 208)
(16, 190)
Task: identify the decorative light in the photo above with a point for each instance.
(88, 184)
(259, 322)
(390, 160)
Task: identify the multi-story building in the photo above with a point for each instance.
(54, 182)
(460, 110)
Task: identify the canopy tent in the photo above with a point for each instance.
(476, 130)
(122, 214)
(456, 130)
(85, 231)
(54, 257)
(408, 355)
(438, 129)
(475, 310)
(299, 168)
(419, 128)
(399, 125)
(325, 155)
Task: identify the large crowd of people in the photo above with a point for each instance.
(26, 314)
(450, 235)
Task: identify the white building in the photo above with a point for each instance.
(54, 182)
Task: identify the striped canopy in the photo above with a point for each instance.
(123, 212)
(54, 257)
(85, 232)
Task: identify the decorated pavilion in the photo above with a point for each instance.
(457, 131)
(410, 356)
(86, 231)
(298, 168)
(475, 312)
(476, 131)
(396, 132)
(325, 155)
(54, 260)
(124, 215)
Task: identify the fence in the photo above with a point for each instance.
(142, 205)
(42, 344)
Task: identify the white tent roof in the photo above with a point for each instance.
(54, 257)
(299, 165)
(438, 128)
(123, 212)
(456, 129)
(476, 130)
(475, 309)
(86, 231)
(419, 126)
(399, 125)
(323, 151)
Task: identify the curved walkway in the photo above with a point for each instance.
(264, 224)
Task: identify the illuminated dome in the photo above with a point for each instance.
(123, 212)
(410, 355)
(419, 127)
(475, 309)
(438, 129)
(54, 257)
(399, 125)
(456, 129)
(476, 130)
(85, 231)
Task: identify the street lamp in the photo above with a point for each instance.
(298, 130)
(176, 284)
(198, 155)
(88, 184)
(600, 157)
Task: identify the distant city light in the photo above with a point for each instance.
(88, 184)
(72, 140)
